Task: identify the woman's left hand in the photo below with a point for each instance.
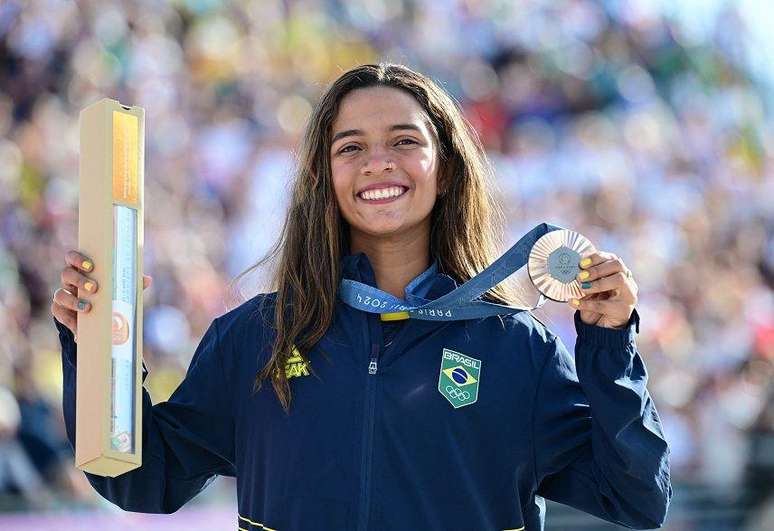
(610, 300)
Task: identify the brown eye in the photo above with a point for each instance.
(409, 139)
(344, 149)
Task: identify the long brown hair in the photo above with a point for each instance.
(466, 231)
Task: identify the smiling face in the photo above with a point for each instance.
(384, 163)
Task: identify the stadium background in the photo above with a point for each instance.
(644, 125)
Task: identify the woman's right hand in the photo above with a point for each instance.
(65, 303)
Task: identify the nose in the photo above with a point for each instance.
(377, 161)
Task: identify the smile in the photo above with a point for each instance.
(382, 195)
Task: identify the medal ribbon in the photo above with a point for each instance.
(460, 303)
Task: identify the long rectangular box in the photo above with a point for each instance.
(110, 231)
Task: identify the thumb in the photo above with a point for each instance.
(588, 316)
(147, 280)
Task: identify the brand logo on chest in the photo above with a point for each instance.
(295, 365)
(458, 378)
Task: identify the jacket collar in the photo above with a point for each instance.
(358, 267)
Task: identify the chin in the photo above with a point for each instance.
(374, 225)
(381, 229)
(382, 226)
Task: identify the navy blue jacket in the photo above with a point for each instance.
(384, 449)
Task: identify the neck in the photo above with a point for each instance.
(396, 260)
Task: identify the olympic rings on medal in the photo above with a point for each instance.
(456, 393)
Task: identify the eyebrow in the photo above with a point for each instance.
(353, 132)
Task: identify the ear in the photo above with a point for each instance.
(442, 181)
(440, 187)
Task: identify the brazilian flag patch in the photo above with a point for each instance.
(459, 377)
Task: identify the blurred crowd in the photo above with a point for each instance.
(654, 141)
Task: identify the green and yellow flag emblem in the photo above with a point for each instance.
(458, 378)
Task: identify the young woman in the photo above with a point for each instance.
(393, 191)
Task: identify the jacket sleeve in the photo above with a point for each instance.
(186, 440)
(598, 441)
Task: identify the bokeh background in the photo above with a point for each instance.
(645, 125)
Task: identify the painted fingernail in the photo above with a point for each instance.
(586, 285)
(89, 286)
(585, 262)
(87, 265)
(583, 275)
(82, 304)
(575, 302)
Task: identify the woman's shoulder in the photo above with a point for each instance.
(530, 336)
(243, 333)
(252, 315)
(527, 325)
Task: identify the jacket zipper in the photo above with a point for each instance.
(368, 438)
(372, 366)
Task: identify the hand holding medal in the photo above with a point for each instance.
(609, 291)
(566, 267)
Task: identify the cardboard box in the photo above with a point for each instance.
(110, 231)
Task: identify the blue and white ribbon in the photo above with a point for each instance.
(459, 304)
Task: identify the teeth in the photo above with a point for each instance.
(382, 193)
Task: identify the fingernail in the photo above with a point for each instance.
(575, 302)
(89, 286)
(82, 304)
(583, 275)
(586, 285)
(585, 262)
(87, 265)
